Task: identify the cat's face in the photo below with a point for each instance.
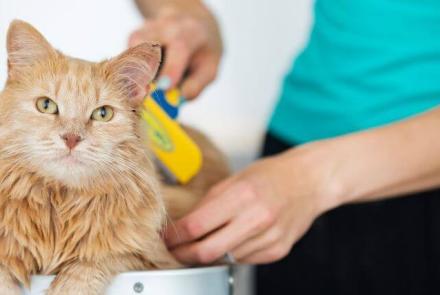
(72, 120)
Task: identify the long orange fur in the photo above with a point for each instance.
(97, 212)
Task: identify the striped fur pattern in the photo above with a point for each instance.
(89, 213)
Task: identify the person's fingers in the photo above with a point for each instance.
(178, 50)
(202, 73)
(225, 239)
(182, 38)
(177, 57)
(217, 190)
(148, 32)
(258, 243)
(272, 254)
(203, 220)
(275, 234)
(136, 38)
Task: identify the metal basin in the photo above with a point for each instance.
(215, 280)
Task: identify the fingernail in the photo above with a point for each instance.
(182, 101)
(164, 83)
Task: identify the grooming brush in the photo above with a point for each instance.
(179, 158)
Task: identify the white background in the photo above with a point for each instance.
(261, 38)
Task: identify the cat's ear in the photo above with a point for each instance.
(133, 70)
(26, 46)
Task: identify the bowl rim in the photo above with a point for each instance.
(165, 272)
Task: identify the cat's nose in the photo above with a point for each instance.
(71, 140)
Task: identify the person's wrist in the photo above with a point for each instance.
(320, 164)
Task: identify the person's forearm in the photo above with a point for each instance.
(385, 162)
(151, 7)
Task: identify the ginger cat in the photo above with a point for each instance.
(79, 195)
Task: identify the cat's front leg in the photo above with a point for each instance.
(8, 286)
(92, 278)
(158, 256)
(80, 279)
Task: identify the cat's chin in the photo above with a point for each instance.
(70, 160)
(69, 171)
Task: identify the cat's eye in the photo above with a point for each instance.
(46, 105)
(103, 114)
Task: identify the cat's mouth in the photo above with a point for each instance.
(70, 159)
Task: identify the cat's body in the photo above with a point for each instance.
(80, 198)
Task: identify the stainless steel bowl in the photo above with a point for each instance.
(215, 280)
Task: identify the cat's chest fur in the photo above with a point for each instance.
(44, 226)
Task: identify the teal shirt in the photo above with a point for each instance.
(367, 63)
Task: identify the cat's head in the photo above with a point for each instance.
(69, 119)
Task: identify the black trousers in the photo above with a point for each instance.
(386, 247)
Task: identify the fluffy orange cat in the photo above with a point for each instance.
(79, 195)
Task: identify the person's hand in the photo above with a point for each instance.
(258, 214)
(192, 43)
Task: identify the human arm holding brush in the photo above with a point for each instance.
(191, 38)
(261, 212)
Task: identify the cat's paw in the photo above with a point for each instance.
(69, 292)
(9, 289)
(73, 289)
(7, 284)
(70, 286)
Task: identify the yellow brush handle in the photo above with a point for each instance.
(170, 143)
